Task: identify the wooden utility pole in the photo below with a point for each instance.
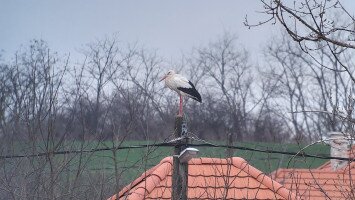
(180, 170)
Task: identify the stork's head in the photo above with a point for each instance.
(169, 74)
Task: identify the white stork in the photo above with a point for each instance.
(182, 86)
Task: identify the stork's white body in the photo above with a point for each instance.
(175, 81)
(182, 86)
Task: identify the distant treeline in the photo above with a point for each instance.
(113, 93)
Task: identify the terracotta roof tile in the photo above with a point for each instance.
(320, 183)
(209, 178)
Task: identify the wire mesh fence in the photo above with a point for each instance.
(98, 171)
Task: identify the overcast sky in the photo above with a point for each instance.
(170, 27)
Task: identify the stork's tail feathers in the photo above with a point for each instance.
(191, 92)
(197, 97)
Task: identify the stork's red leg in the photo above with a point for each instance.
(180, 108)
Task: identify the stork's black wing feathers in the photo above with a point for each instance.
(192, 92)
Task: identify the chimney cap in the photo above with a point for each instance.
(339, 135)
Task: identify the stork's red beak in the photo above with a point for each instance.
(164, 77)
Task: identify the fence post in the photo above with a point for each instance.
(229, 151)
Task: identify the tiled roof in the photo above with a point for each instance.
(209, 178)
(320, 183)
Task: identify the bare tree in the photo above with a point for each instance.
(103, 58)
(324, 31)
(142, 71)
(228, 74)
(34, 81)
(313, 92)
(311, 21)
(4, 94)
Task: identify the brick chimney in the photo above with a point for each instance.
(339, 147)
